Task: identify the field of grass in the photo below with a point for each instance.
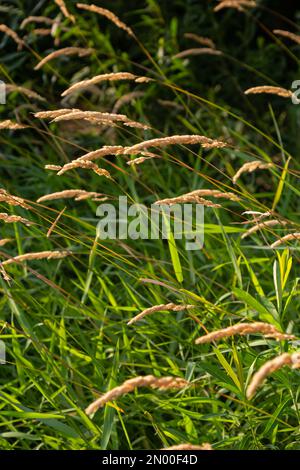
(64, 321)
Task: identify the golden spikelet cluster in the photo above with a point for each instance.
(104, 77)
(77, 194)
(239, 5)
(108, 14)
(4, 274)
(197, 196)
(187, 446)
(85, 165)
(249, 167)
(5, 196)
(285, 359)
(99, 118)
(53, 167)
(10, 88)
(40, 255)
(262, 225)
(42, 31)
(157, 308)
(286, 238)
(139, 160)
(205, 142)
(36, 19)
(102, 152)
(273, 90)
(287, 34)
(267, 330)
(11, 33)
(197, 51)
(8, 124)
(204, 41)
(66, 51)
(61, 4)
(54, 113)
(4, 241)
(9, 219)
(128, 386)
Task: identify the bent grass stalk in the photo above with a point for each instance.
(249, 167)
(267, 330)
(37, 256)
(157, 308)
(108, 14)
(66, 51)
(162, 383)
(104, 77)
(285, 359)
(206, 142)
(262, 225)
(286, 238)
(273, 90)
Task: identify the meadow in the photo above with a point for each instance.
(124, 343)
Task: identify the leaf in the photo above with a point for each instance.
(281, 184)
(263, 312)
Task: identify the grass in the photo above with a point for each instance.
(64, 322)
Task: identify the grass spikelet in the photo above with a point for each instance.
(77, 194)
(262, 225)
(273, 90)
(104, 77)
(55, 113)
(36, 19)
(145, 156)
(64, 10)
(197, 51)
(4, 274)
(108, 14)
(40, 255)
(204, 41)
(214, 193)
(90, 115)
(267, 330)
(4, 241)
(239, 5)
(9, 219)
(186, 198)
(66, 51)
(86, 165)
(285, 359)
(157, 308)
(25, 91)
(175, 139)
(9, 32)
(249, 167)
(286, 238)
(197, 197)
(187, 446)
(53, 167)
(12, 200)
(100, 118)
(8, 124)
(162, 383)
(42, 31)
(287, 34)
(102, 152)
